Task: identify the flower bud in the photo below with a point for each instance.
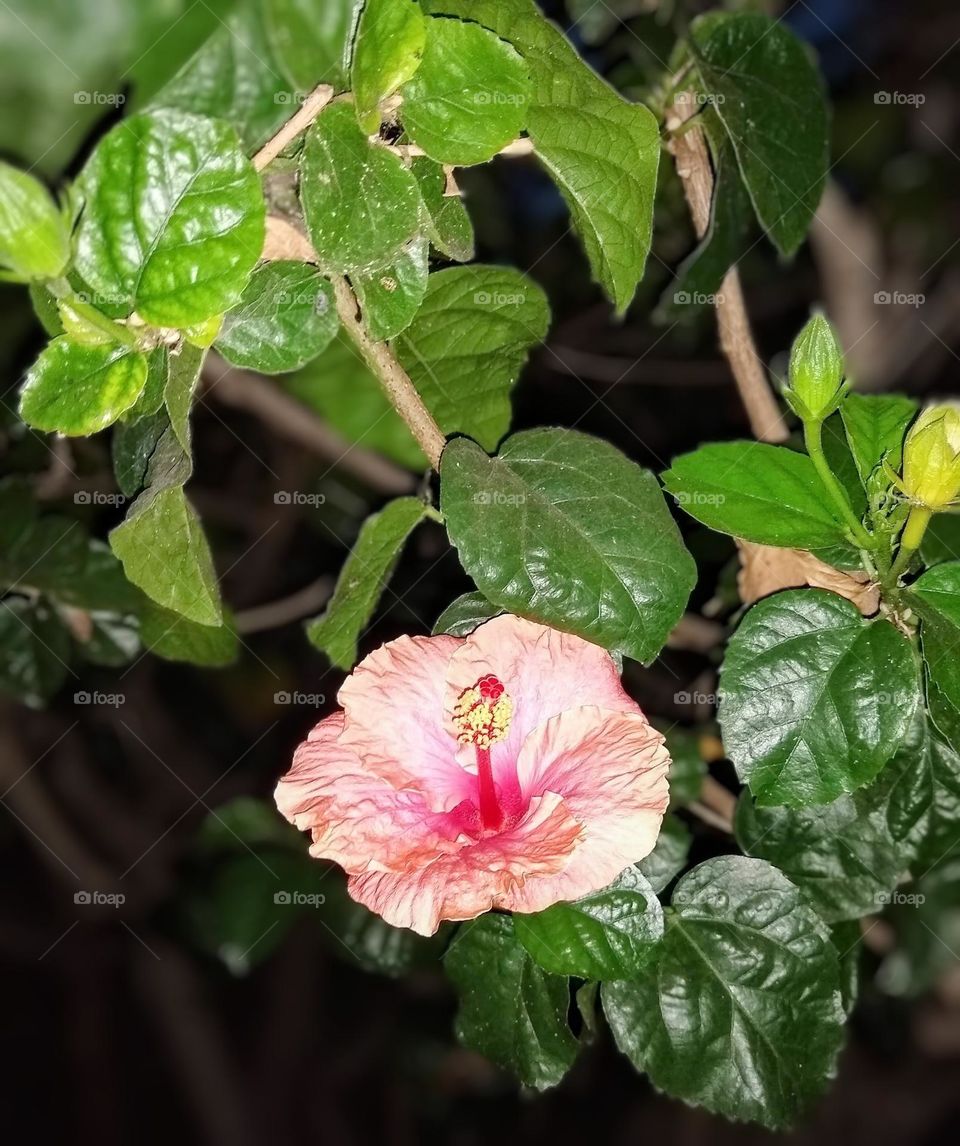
(931, 458)
(816, 371)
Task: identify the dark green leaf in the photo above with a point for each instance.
(463, 615)
(563, 528)
(814, 699)
(609, 934)
(876, 425)
(687, 766)
(448, 225)
(34, 650)
(173, 221)
(510, 1010)
(757, 492)
(114, 640)
(132, 448)
(936, 597)
(769, 97)
(669, 857)
(311, 39)
(286, 317)
(391, 296)
(941, 542)
(469, 97)
(78, 390)
(747, 968)
(363, 579)
(387, 51)
(183, 378)
(175, 638)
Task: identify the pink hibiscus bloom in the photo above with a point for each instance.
(507, 769)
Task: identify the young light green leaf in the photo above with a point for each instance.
(511, 1011)
(390, 41)
(609, 934)
(391, 296)
(748, 966)
(175, 638)
(875, 425)
(757, 492)
(34, 239)
(448, 225)
(311, 39)
(563, 528)
(463, 615)
(363, 579)
(814, 699)
(362, 205)
(468, 343)
(469, 97)
(78, 390)
(173, 221)
(183, 378)
(601, 151)
(769, 97)
(286, 317)
(669, 857)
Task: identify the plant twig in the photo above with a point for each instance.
(696, 174)
(308, 111)
(303, 603)
(392, 376)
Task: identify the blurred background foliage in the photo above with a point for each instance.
(204, 1006)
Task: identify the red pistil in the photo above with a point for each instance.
(491, 813)
(481, 717)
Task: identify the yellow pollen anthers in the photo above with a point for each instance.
(482, 713)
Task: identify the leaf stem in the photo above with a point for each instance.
(119, 332)
(910, 539)
(813, 439)
(393, 378)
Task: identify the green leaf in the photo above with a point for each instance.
(39, 553)
(235, 76)
(814, 699)
(467, 346)
(286, 317)
(742, 1013)
(339, 386)
(362, 205)
(448, 224)
(936, 597)
(151, 397)
(34, 240)
(173, 221)
(363, 579)
(609, 934)
(387, 51)
(469, 97)
(511, 1011)
(182, 380)
(769, 97)
(669, 857)
(841, 856)
(34, 650)
(311, 39)
(563, 528)
(925, 916)
(601, 151)
(391, 296)
(175, 638)
(98, 585)
(941, 542)
(876, 425)
(757, 492)
(78, 390)
(114, 640)
(463, 615)
(132, 448)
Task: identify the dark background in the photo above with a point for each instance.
(140, 1022)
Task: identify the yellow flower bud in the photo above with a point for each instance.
(931, 458)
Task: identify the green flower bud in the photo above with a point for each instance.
(931, 458)
(816, 371)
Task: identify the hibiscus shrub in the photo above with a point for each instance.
(496, 798)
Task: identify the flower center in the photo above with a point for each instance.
(481, 717)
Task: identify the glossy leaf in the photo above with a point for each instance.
(469, 97)
(390, 41)
(669, 857)
(78, 390)
(391, 296)
(448, 224)
(183, 377)
(563, 528)
(876, 425)
(173, 221)
(286, 317)
(936, 597)
(464, 614)
(511, 1010)
(814, 699)
(363, 579)
(747, 967)
(609, 934)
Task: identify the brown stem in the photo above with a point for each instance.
(308, 111)
(689, 148)
(392, 376)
